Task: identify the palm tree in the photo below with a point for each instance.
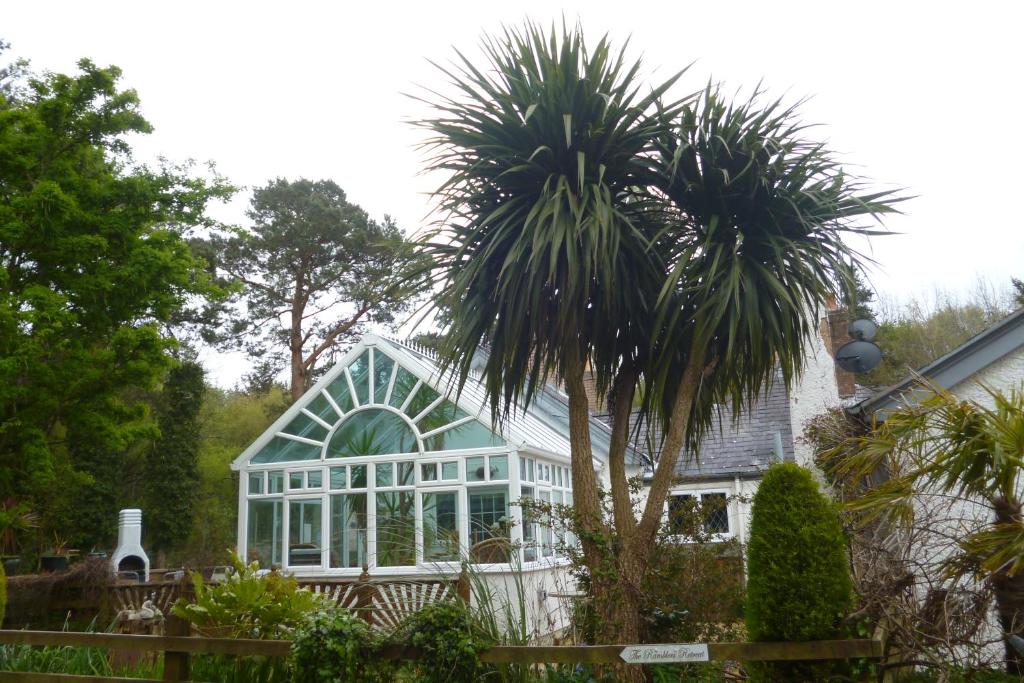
(942, 444)
(679, 248)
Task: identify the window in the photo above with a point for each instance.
(304, 533)
(488, 525)
(440, 526)
(712, 513)
(265, 538)
(256, 483)
(529, 528)
(348, 531)
(372, 431)
(396, 529)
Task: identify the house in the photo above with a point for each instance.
(994, 359)
(379, 466)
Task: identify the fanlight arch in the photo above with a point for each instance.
(374, 406)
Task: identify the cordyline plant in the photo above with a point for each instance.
(943, 445)
(679, 249)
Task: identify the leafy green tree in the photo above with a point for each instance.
(798, 585)
(313, 270)
(1018, 289)
(859, 297)
(228, 422)
(679, 249)
(951, 446)
(93, 264)
(172, 477)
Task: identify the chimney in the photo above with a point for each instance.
(835, 331)
(129, 555)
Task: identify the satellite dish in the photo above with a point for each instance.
(859, 356)
(862, 330)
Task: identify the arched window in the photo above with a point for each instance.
(373, 431)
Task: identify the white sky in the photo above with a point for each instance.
(921, 95)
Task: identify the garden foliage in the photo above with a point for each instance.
(249, 605)
(337, 645)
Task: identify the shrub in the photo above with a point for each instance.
(799, 584)
(249, 604)
(336, 645)
(450, 640)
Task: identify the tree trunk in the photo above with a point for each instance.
(1009, 593)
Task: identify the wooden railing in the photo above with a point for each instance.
(178, 648)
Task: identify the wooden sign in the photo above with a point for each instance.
(664, 654)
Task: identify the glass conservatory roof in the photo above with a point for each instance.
(373, 406)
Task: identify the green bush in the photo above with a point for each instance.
(450, 640)
(248, 605)
(336, 645)
(799, 585)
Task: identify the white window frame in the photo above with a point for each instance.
(699, 494)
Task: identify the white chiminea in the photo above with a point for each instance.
(129, 555)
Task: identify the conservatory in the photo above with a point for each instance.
(378, 467)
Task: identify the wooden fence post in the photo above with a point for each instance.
(177, 665)
(462, 587)
(364, 596)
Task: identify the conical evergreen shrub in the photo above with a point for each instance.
(799, 585)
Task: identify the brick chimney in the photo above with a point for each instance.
(836, 333)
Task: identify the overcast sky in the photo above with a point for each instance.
(925, 96)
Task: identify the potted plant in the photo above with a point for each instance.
(15, 520)
(56, 558)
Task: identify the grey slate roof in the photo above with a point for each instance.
(743, 447)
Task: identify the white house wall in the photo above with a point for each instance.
(815, 392)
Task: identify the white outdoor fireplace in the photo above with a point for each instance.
(129, 555)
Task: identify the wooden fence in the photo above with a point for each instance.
(383, 602)
(178, 647)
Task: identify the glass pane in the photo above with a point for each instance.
(256, 483)
(266, 536)
(320, 407)
(406, 474)
(382, 367)
(499, 467)
(372, 432)
(348, 530)
(475, 469)
(443, 414)
(472, 434)
(716, 513)
(680, 514)
(558, 471)
(359, 476)
(360, 372)
(338, 389)
(449, 471)
(423, 397)
(275, 481)
(295, 480)
(529, 528)
(488, 525)
(440, 527)
(304, 533)
(314, 479)
(304, 426)
(385, 472)
(339, 478)
(404, 382)
(396, 529)
(545, 528)
(428, 471)
(281, 449)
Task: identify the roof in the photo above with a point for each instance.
(743, 447)
(540, 428)
(958, 365)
